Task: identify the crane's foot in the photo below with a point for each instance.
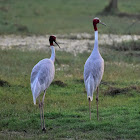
(44, 129)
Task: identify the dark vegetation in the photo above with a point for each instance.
(3, 83)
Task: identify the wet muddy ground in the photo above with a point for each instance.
(75, 43)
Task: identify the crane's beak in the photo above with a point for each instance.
(102, 23)
(57, 44)
(55, 57)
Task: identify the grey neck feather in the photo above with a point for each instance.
(53, 54)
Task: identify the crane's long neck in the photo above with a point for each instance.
(53, 54)
(96, 42)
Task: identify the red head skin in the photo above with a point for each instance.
(95, 22)
(52, 39)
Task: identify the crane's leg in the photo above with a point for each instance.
(40, 108)
(89, 108)
(97, 102)
(44, 129)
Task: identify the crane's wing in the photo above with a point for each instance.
(41, 76)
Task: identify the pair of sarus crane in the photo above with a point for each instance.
(43, 74)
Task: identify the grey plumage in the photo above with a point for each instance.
(41, 77)
(94, 69)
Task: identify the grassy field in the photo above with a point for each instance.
(62, 16)
(66, 105)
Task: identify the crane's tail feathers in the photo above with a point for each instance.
(90, 88)
(35, 90)
(34, 99)
(90, 98)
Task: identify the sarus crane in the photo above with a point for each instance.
(94, 69)
(41, 77)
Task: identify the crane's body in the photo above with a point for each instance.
(41, 77)
(93, 69)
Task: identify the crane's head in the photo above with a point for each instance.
(96, 21)
(53, 39)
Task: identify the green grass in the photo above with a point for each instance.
(66, 107)
(61, 16)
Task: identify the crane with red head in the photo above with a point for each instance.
(94, 69)
(42, 76)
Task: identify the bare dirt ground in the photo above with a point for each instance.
(75, 43)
